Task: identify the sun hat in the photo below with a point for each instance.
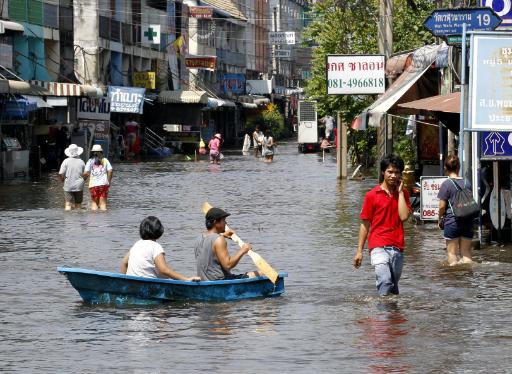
(96, 148)
(73, 150)
(216, 213)
(218, 136)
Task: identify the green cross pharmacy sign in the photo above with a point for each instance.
(151, 34)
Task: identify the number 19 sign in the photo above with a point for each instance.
(355, 74)
(429, 203)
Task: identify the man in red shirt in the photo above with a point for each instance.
(384, 210)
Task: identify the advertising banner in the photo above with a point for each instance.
(146, 79)
(201, 62)
(201, 12)
(233, 83)
(429, 203)
(98, 109)
(126, 99)
(490, 107)
(355, 74)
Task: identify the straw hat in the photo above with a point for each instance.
(73, 150)
(96, 148)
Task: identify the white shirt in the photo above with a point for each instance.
(98, 173)
(141, 262)
(72, 168)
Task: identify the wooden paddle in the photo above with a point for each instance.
(261, 264)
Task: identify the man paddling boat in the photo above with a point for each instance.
(212, 256)
(384, 210)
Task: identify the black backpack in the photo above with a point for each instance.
(463, 205)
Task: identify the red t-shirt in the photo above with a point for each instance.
(386, 227)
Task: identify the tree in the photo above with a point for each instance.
(351, 28)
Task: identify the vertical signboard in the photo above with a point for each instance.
(490, 107)
(355, 74)
(429, 203)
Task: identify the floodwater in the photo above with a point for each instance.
(301, 221)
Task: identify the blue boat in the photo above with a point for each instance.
(99, 287)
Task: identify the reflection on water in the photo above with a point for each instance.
(301, 220)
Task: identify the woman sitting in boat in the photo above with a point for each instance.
(212, 257)
(147, 258)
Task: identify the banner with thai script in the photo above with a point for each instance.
(201, 12)
(201, 62)
(355, 74)
(233, 83)
(98, 109)
(146, 79)
(126, 99)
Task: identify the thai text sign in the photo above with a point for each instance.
(490, 107)
(201, 12)
(281, 37)
(98, 109)
(355, 74)
(234, 83)
(126, 99)
(201, 62)
(496, 145)
(444, 22)
(282, 53)
(146, 79)
(429, 203)
(503, 9)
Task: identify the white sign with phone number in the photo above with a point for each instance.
(429, 203)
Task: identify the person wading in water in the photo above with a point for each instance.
(384, 210)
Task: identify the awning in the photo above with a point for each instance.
(38, 100)
(254, 99)
(183, 97)
(57, 101)
(422, 60)
(9, 25)
(449, 103)
(215, 103)
(249, 106)
(40, 88)
(395, 65)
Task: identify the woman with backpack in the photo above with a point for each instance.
(458, 230)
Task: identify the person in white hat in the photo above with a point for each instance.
(70, 173)
(99, 172)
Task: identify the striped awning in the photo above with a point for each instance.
(183, 97)
(66, 89)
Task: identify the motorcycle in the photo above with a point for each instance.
(416, 203)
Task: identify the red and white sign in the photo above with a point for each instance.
(201, 12)
(355, 74)
(429, 203)
(201, 62)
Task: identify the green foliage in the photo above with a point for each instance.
(271, 120)
(351, 28)
(404, 145)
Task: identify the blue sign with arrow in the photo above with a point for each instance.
(445, 22)
(496, 145)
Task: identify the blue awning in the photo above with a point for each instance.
(17, 109)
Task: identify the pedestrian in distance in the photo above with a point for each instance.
(257, 139)
(213, 260)
(71, 171)
(458, 232)
(215, 149)
(99, 172)
(146, 258)
(384, 210)
(268, 147)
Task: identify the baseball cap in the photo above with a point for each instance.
(215, 214)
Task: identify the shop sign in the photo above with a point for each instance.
(355, 74)
(233, 83)
(201, 62)
(126, 99)
(429, 203)
(281, 37)
(98, 109)
(201, 12)
(150, 34)
(490, 107)
(146, 79)
(496, 145)
(503, 9)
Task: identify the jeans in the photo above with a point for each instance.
(388, 263)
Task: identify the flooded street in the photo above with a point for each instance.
(302, 222)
